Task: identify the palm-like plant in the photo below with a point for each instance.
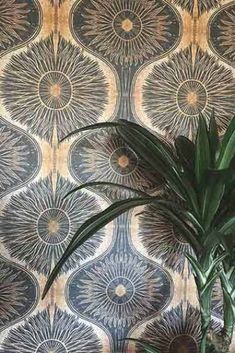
(201, 173)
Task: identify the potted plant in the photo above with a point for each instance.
(202, 175)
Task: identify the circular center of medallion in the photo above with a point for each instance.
(55, 90)
(191, 97)
(183, 344)
(51, 346)
(120, 290)
(123, 161)
(53, 226)
(127, 25)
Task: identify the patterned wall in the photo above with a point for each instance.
(65, 64)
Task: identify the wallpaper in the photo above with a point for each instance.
(68, 63)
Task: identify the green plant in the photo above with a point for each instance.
(200, 173)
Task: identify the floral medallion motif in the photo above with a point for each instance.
(119, 290)
(104, 156)
(20, 158)
(177, 331)
(46, 88)
(18, 293)
(162, 240)
(201, 5)
(52, 333)
(222, 33)
(176, 91)
(42, 220)
(126, 31)
(19, 22)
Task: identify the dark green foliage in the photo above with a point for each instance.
(202, 175)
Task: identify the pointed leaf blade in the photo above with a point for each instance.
(213, 138)
(90, 227)
(202, 155)
(212, 194)
(186, 153)
(103, 125)
(227, 149)
(147, 150)
(104, 183)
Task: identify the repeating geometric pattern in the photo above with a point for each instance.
(20, 21)
(48, 87)
(165, 242)
(45, 222)
(119, 291)
(126, 32)
(200, 6)
(44, 332)
(65, 64)
(177, 331)
(222, 33)
(56, 2)
(18, 293)
(178, 89)
(20, 157)
(104, 156)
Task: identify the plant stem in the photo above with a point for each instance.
(227, 281)
(229, 321)
(205, 321)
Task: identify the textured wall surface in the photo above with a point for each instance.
(65, 64)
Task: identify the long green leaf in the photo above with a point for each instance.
(90, 227)
(112, 124)
(207, 289)
(213, 138)
(228, 243)
(177, 218)
(228, 226)
(164, 149)
(157, 153)
(186, 153)
(227, 229)
(191, 195)
(146, 149)
(137, 139)
(227, 149)
(198, 270)
(212, 239)
(212, 194)
(103, 183)
(202, 155)
(214, 263)
(154, 157)
(195, 222)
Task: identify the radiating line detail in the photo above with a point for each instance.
(45, 332)
(119, 290)
(176, 91)
(127, 32)
(46, 88)
(44, 222)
